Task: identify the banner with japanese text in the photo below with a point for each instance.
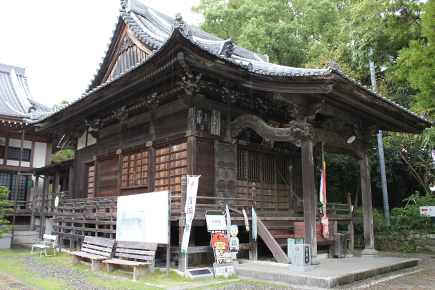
(192, 189)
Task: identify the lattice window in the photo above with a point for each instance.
(14, 154)
(282, 169)
(135, 169)
(254, 166)
(171, 164)
(90, 181)
(241, 164)
(9, 180)
(268, 168)
(2, 151)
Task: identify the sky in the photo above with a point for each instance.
(61, 43)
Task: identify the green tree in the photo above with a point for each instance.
(285, 31)
(416, 63)
(62, 155)
(417, 153)
(65, 154)
(5, 207)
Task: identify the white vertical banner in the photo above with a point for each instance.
(192, 189)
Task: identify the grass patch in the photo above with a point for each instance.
(13, 266)
(11, 261)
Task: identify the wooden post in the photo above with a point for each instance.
(42, 219)
(253, 249)
(366, 191)
(55, 191)
(310, 200)
(35, 194)
(182, 257)
(70, 183)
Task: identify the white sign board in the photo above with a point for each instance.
(143, 217)
(427, 211)
(216, 223)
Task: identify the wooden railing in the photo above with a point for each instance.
(23, 207)
(46, 203)
(341, 214)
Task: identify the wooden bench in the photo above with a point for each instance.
(49, 243)
(138, 255)
(95, 249)
(321, 241)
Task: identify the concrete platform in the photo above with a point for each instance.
(329, 274)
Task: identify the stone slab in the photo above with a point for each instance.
(329, 274)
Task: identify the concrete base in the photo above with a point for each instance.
(301, 268)
(225, 270)
(329, 274)
(5, 242)
(369, 253)
(26, 237)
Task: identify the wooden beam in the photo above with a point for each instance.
(310, 200)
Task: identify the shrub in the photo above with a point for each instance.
(402, 220)
(408, 218)
(5, 207)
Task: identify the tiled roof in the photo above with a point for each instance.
(15, 95)
(154, 29)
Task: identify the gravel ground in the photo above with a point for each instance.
(416, 278)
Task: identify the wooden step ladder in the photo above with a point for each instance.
(271, 241)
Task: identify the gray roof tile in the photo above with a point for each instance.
(15, 95)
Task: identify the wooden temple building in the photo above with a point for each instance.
(171, 100)
(21, 148)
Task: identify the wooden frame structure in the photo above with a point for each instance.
(191, 103)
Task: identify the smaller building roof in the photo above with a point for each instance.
(15, 96)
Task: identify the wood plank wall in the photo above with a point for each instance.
(82, 158)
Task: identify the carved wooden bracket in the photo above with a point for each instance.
(126, 44)
(230, 95)
(151, 101)
(293, 133)
(121, 113)
(95, 124)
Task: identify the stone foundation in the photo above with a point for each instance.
(410, 242)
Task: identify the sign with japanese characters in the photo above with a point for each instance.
(216, 223)
(192, 189)
(427, 211)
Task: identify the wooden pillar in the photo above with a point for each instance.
(182, 257)
(55, 190)
(310, 200)
(191, 142)
(35, 194)
(42, 219)
(369, 237)
(70, 183)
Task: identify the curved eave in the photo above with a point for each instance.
(280, 79)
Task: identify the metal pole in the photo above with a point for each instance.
(381, 149)
(17, 185)
(384, 179)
